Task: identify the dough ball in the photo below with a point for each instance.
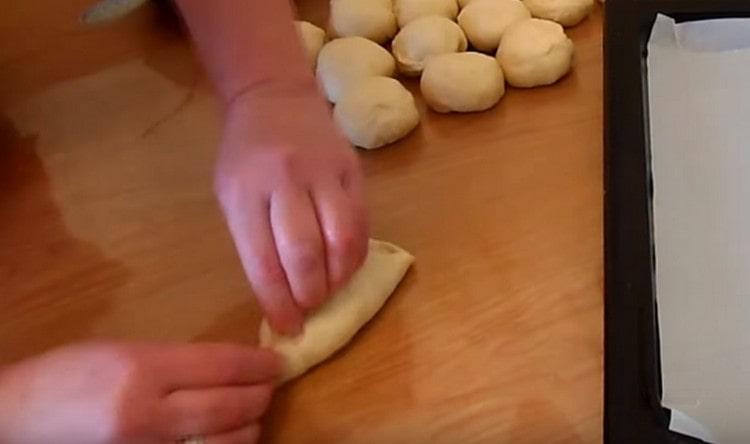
(424, 37)
(371, 19)
(312, 38)
(535, 52)
(564, 12)
(409, 10)
(485, 21)
(351, 58)
(376, 111)
(462, 82)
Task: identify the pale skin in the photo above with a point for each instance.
(291, 191)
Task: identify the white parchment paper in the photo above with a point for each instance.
(699, 116)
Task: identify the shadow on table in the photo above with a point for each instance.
(52, 286)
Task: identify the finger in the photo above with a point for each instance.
(246, 435)
(296, 231)
(352, 181)
(192, 366)
(214, 411)
(255, 243)
(344, 228)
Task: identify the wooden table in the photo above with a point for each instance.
(108, 229)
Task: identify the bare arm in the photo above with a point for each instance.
(247, 43)
(289, 184)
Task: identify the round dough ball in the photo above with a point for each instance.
(409, 10)
(535, 52)
(424, 37)
(485, 21)
(371, 19)
(350, 58)
(312, 39)
(376, 111)
(564, 12)
(462, 82)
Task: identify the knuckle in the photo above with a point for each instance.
(285, 165)
(131, 421)
(268, 269)
(305, 257)
(234, 369)
(230, 411)
(344, 244)
(128, 427)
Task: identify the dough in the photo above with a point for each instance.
(408, 10)
(371, 19)
(106, 11)
(462, 3)
(376, 111)
(462, 82)
(564, 12)
(535, 52)
(424, 37)
(350, 58)
(338, 320)
(485, 21)
(312, 39)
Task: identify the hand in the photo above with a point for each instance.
(291, 190)
(113, 394)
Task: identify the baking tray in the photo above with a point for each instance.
(632, 395)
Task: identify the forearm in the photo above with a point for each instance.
(246, 43)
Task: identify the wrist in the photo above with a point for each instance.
(259, 90)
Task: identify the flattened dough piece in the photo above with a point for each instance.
(338, 320)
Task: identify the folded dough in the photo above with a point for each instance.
(339, 319)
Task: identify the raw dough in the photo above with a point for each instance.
(371, 19)
(462, 3)
(376, 111)
(462, 82)
(484, 21)
(535, 52)
(408, 10)
(106, 11)
(564, 12)
(344, 60)
(424, 37)
(312, 39)
(337, 321)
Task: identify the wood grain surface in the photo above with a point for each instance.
(109, 229)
